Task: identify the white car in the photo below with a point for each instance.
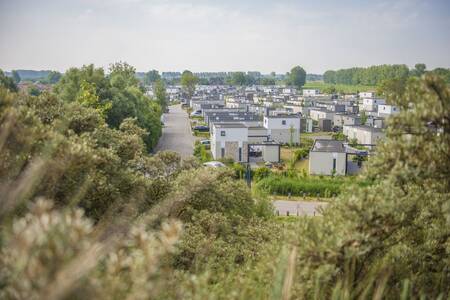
(205, 142)
(197, 113)
(214, 164)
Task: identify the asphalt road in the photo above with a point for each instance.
(176, 134)
(297, 208)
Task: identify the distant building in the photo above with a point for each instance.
(385, 110)
(327, 157)
(310, 92)
(283, 128)
(371, 104)
(365, 135)
(330, 157)
(367, 95)
(243, 143)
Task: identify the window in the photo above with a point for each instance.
(222, 133)
(283, 122)
(240, 154)
(222, 152)
(334, 164)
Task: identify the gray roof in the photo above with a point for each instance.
(366, 128)
(328, 146)
(229, 125)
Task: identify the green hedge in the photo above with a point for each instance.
(281, 185)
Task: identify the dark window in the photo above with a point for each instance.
(283, 122)
(240, 154)
(222, 152)
(222, 133)
(334, 164)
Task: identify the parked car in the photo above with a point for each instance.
(205, 142)
(214, 164)
(197, 113)
(268, 165)
(201, 128)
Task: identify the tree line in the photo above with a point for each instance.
(375, 75)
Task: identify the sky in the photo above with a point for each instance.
(226, 35)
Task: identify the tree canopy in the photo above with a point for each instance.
(120, 92)
(297, 77)
(188, 82)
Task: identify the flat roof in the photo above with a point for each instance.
(366, 128)
(328, 146)
(284, 116)
(229, 125)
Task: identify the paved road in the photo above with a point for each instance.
(176, 134)
(297, 208)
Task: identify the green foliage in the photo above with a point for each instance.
(7, 82)
(188, 82)
(201, 153)
(261, 173)
(15, 76)
(159, 89)
(311, 186)
(268, 81)
(300, 154)
(371, 76)
(119, 96)
(297, 77)
(151, 77)
(387, 236)
(53, 77)
(339, 136)
(79, 153)
(33, 90)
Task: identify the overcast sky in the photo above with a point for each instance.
(226, 35)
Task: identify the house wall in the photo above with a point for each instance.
(271, 153)
(283, 136)
(363, 136)
(321, 163)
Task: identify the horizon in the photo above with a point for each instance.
(207, 36)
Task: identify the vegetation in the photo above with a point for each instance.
(300, 186)
(118, 94)
(87, 213)
(188, 82)
(7, 82)
(297, 77)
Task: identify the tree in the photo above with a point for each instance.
(419, 70)
(53, 77)
(238, 78)
(7, 82)
(297, 77)
(268, 81)
(88, 97)
(188, 82)
(15, 76)
(363, 118)
(151, 77)
(33, 90)
(159, 89)
(119, 95)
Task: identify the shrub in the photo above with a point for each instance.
(281, 185)
(261, 173)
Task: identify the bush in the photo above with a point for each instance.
(281, 185)
(261, 173)
(300, 154)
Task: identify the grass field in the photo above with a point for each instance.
(340, 88)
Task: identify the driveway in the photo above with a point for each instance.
(176, 134)
(297, 208)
